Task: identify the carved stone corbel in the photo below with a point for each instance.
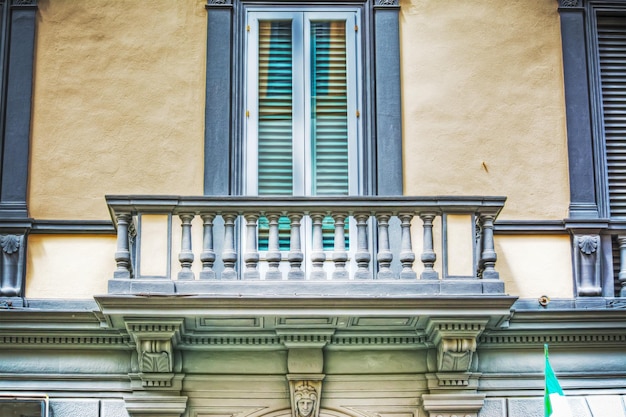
(305, 364)
(305, 395)
(455, 342)
(587, 269)
(12, 261)
(158, 363)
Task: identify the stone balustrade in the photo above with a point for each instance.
(348, 242)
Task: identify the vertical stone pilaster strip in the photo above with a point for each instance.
(219, 95)
(387, 98)
(583, 199)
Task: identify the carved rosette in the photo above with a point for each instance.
(156, 356)
(568, 3)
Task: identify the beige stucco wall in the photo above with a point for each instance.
(69, 267)
(118, 103)
(532, 266)
(483, 109)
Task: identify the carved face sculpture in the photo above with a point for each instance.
(305, 407)
(305, 401)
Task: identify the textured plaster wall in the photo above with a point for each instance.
(483, 106)
(69, 267)
(118, 103)
(532, 266)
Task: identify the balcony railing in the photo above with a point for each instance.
(351, 244)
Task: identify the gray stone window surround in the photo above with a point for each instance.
(589, 215)
(224, 93)
(17, 43)
(583, 101)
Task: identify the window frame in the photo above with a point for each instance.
(593, 9)
(381, 112)
(302, 146)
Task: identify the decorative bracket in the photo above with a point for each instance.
(157, 360)
(455, 341)
(305, 364)
(587, 269)
(305, 395)
(12, 262)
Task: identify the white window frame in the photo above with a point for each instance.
(302, 150)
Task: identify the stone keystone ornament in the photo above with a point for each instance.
(305, 398)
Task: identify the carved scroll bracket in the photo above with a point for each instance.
(455, 341)
(158, 362)
(587, 268)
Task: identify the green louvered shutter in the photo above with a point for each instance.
(301, 140)
(329, 108)
(612, 55)
(275, 116)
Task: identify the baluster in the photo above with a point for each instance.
(273, 255)
(428, 253)
(384, 253)
(340, 256)
(185, 257)
(407, 257)
(295, 249)
(122, 255)
(362, 255)
(621, 239)
(208, 252)
(229, 255)
(488, 255)
(318, 256)
(251, 256)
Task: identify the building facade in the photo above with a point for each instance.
(351, 208)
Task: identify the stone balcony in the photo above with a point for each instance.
(306, 246)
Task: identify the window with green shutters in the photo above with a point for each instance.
(302, 100)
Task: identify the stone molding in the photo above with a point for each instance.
(569, 3)
(155, 406)
(451, 405)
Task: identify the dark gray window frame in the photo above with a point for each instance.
(589, 214)
(583, 101)
(17, 46)
(224, 94)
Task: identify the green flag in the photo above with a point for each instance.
(555, 403)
